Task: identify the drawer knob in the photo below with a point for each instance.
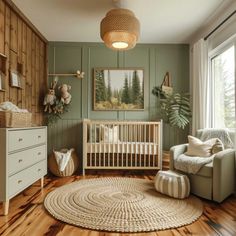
(20, 160)
(39, 136)
(39, 153)
(19, 181)
(39, 170)
(20, 139)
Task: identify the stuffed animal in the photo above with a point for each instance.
(65, 95)
(50, 97)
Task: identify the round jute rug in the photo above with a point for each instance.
(120, 204)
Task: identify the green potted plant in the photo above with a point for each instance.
(175, 107)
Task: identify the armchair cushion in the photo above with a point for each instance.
(206, 170)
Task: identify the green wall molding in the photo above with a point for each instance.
(156, 59)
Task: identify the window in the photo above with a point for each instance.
(223, 87)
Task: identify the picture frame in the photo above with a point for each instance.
(15, 79)
(118, 89)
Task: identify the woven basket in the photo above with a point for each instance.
(15, 119)
(71, 167)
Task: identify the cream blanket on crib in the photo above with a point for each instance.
(62, 158)
(191, 164)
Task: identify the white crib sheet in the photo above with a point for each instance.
(123, 147)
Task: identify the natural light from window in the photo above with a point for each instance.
(223, 75)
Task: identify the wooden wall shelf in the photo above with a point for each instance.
(62, 74)
(78, 74)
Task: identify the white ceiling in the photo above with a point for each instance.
(162, 21)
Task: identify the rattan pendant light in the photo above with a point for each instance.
(120, 29)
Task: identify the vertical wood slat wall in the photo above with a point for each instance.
(21, 44)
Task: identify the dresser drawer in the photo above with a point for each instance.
(19, 139)
(23, 179)
(21, 160)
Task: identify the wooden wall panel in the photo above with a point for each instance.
(2, 26)
(23, 45)
(2, 31)
(13, 28)
(7, 50)
(19, 57)
(19, 39)
(13, 66)
(24, 35)
(28, 69)
(33, 73)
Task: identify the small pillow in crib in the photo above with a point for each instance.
(110, 135)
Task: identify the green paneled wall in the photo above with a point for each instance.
(156, 59)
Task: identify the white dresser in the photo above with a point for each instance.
(23, 160)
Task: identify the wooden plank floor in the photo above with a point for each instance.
(28, 217)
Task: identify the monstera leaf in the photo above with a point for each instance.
(177, 110)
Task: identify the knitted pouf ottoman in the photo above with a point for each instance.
(173, 184)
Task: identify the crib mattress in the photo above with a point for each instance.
(123, 147)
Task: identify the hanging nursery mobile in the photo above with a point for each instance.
(55, 106)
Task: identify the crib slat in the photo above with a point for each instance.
(91, 145)
(149, 131)
(109, 150)
(132, 145)
(153, 146)
(100, 147)
(85, 141)
(127, 135)
(113, 146)
(145, 138)
(156, 142)
(122, 147)
(136, 137)
(95, 145)
(160, 146)
(140, 140)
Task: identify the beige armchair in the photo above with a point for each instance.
(215, 180)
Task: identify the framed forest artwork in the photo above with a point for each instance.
(118, 89)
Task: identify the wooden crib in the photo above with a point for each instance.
(122, 144)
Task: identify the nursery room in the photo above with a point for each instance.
(117, 117)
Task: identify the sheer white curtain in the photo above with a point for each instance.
(200, 87)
